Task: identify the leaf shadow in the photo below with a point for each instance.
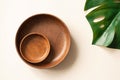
(110, 50)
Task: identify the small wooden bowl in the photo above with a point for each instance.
(34, 47)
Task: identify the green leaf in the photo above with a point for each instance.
(105, 22)
(93, 3)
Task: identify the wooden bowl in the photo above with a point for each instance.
(56, 32)
(34, 47)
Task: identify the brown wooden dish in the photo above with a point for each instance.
(34, 47)
(56, 32)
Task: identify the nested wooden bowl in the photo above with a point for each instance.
(56, 32)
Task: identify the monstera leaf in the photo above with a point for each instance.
(105, 22)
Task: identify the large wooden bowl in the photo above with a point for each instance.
(56, 32)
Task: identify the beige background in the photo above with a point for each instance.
(84, 61)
